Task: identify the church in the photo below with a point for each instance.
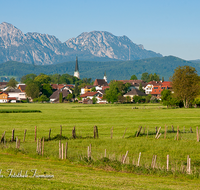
(76, 72)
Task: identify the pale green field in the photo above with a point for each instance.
(84, 117)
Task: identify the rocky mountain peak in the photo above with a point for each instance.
(47, 49)
(11, 35)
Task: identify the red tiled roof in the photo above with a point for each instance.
(60, 86)
(167, 83)
(105, 87)
(54, 86)
(88, 94)
(22, 87)
(70, 85)
(11, 98)
(100, 82)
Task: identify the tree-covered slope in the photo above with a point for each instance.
(164, 66)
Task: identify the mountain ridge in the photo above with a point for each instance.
(42, 49)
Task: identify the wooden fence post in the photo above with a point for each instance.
(197, 131)
(158, 132)
(191, 130)
(35, 133)
(62, 151)
(177, 132)
(138, 132)
(13, 135)
(43, 146)
(165, 131)
(37, 148)
(105, 153)
(3, 137)
(61, 130)
(154, 164)
(89, 152)
(167, 162)
(59, 149)
(139, 159)
(124, 133)
(24, 134)
(144, 130)
(172, 129)
(96, 135)
(16, 142)
(74, 133)
(66, 147)
(111, 133)
(49, 134)
(188, 163)
(40, 146)
(124, 159)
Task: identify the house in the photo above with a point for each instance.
(3, 86)
(62, 86)
(157, 89)
(134, 92)
(4, 98)
(134, 83)
(100, 83)
(16, 93)
(87, 88)
(55, 96)
(22, 87)
(87, 101)
(148, 88)
(89, 95)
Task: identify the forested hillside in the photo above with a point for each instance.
(164, 66)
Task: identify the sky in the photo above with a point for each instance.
(169, 27)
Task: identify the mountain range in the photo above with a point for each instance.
(44, 49)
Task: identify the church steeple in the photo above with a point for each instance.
(105, 77)
(76, 72)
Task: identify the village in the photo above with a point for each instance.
(89, 94)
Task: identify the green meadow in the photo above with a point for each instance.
(79, 173)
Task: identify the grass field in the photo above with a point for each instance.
(73, 173)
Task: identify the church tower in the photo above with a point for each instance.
(76, 72)
(105, 77)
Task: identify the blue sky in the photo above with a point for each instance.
(169, 27)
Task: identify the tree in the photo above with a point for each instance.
(116, 89)
(133, 77)
(12, 83)
(42, 79)
(43, 98)
(28, 78)
(128, 99)
(61, 97)
(145, 77)
(94, 100)
(185, 83)
(32, 90)
(140, 88)
(76, 90)
(69, 97)
(47, 90)
(93, 89)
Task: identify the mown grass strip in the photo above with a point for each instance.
(18, 111)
